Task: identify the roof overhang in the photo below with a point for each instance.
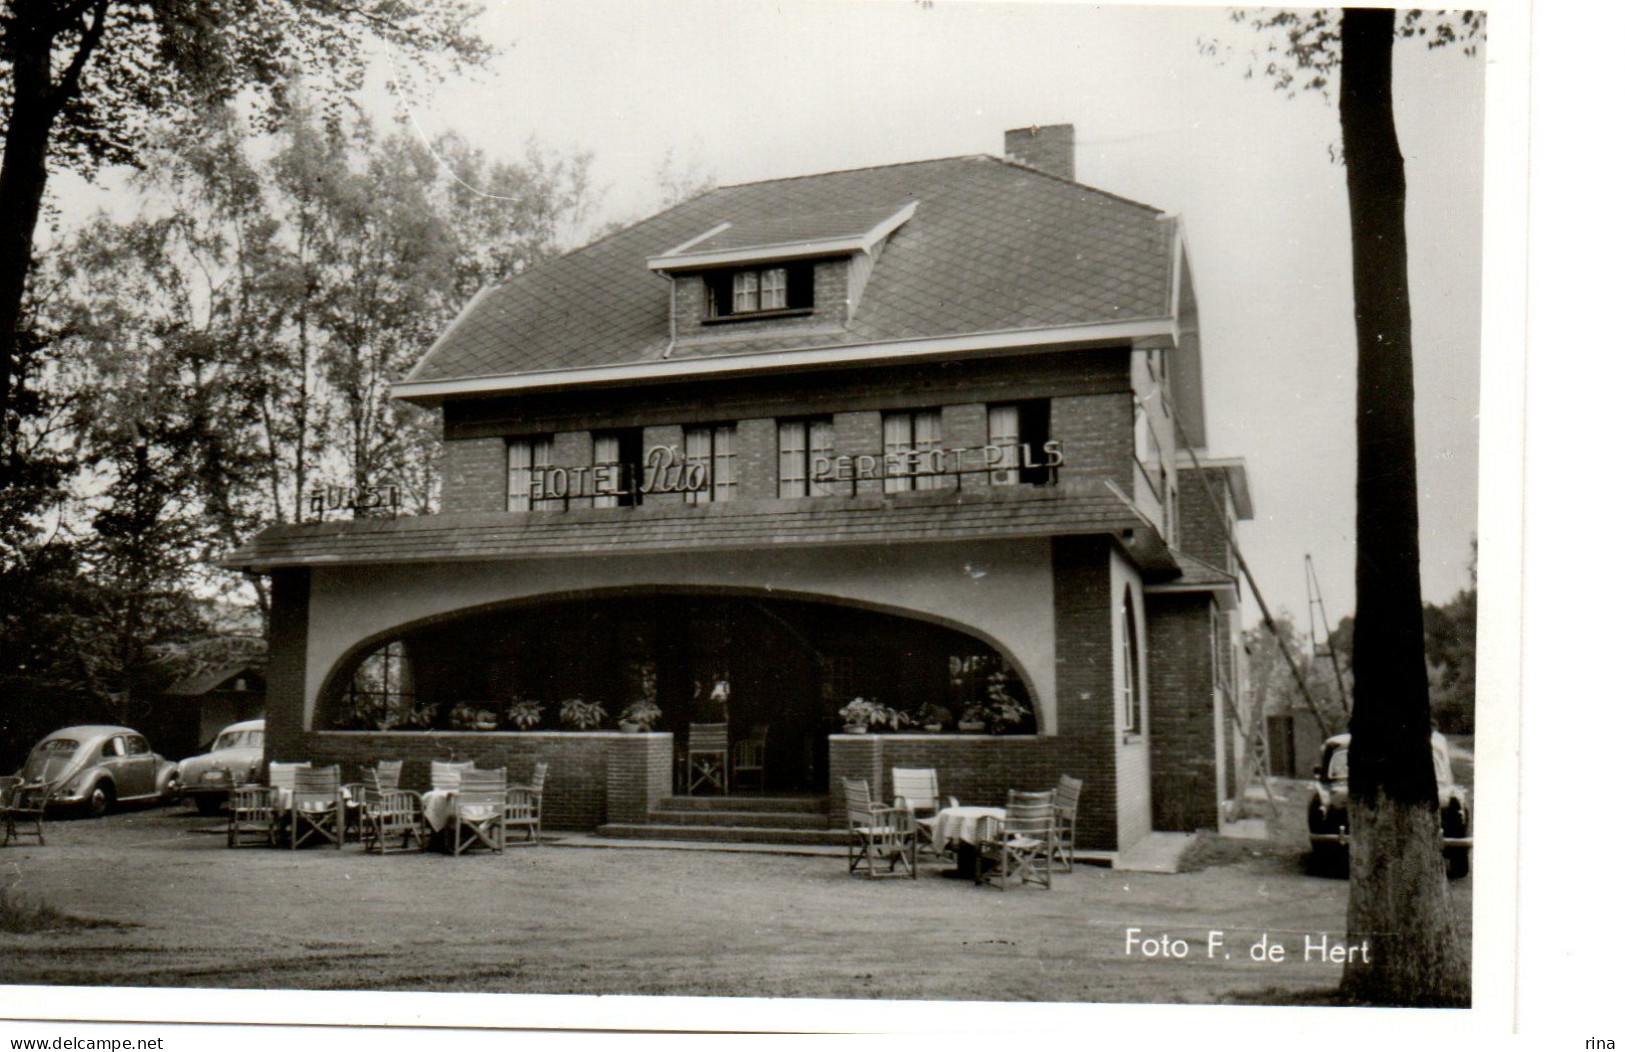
(1235, 477)
(691, 255)
(1062, 337)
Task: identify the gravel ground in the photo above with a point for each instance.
(178, 909)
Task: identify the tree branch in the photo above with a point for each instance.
(69, 83)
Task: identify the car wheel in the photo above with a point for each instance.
(208, 803)
(100, 800)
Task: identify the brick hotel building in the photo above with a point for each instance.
(900, 433)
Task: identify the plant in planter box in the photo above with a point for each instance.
(408, 717)
(1003, 711)
(582, 715)
(525, 714)
(466, 716)
(933, 717)
(640, 715)
(859, 715)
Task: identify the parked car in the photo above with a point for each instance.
(94, 767)
(237, 755)
(1328, 808)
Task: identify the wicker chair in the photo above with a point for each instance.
(877, 834)
(318, 807)
(522, 814)
(915, 790)
(1023, 847)
(477, 816)
(22, 810)
(391, 818)
(1066, 820)
(707, 756)
(251, 813)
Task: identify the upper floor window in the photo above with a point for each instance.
(908, 438)
(617, 460)
(525, 456)
(759, 290)
(803, 444)
(1019, 430)
(716, 447)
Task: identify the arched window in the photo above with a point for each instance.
(380, 694)
(1130, 641)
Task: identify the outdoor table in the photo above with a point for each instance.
(962, 828)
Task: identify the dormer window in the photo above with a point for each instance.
(759, 291)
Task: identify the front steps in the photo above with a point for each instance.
(735, 819)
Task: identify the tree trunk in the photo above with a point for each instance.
(1398, 895)
(22, 186)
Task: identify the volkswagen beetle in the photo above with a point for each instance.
(1328, 807)
(237, 755)
(94, 767)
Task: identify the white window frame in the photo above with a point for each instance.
(1132, 704)
(717, 447)
(525, 455)
(801, 441)
(1004, 434)
(916, 430)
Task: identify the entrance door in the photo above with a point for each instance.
(1283, 747)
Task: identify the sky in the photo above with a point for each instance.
(750, 89)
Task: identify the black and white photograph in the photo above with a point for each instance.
(901, 509)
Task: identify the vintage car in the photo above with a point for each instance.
(94, 767)
(1328, 807)
(237, 756)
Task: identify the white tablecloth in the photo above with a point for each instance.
(964, 824)
(437, 805)
(284, 798)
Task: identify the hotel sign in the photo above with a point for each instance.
(915, 463)
(664, 470)
(371, 497)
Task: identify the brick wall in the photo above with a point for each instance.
(473, 475)
(577, 794)
(1097, 434)
(1085, 682)
(1201, 533)
(1184, 772)
(758, 459)
(638, 774)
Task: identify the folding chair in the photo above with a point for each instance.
(318, 807)
(389, 777)
(877, 834)
(477, 816)
(251, 812)
(280, 775)
(1023, 846)
(391, 818)
(522, 813)
(22, 810)
(915, 790)
(750, 758)
(1066, 819)
(447, 774)
(707, 756)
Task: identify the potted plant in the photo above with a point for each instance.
(932, 717)
(466, 716)
(412, 718)
(974, 719)
(525, 714)
(639, 716)
(582, 715)
(858, 715)
(1003, 711)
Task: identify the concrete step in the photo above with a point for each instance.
(724, 834)
(732, 804)
(758, 819)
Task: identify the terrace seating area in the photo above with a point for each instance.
(466, 809)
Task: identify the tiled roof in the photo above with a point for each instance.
(991, 247)
(933, 515)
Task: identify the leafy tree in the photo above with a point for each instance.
(1452, 648)
(1397, 888)
(83, 82)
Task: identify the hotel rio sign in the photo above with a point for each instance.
(666, 470)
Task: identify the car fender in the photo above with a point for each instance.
(169, 769)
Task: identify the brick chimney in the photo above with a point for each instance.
(1047, 148)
